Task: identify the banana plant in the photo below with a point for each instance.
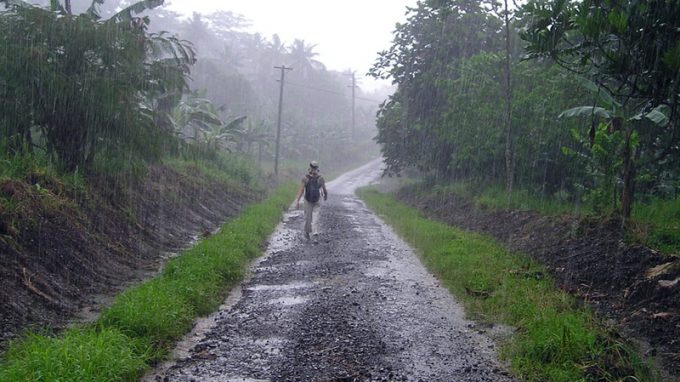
(255, 133)
(619, 119)
(197, 119)
(221, 137)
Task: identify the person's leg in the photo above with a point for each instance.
(315, 219)
(309, 213)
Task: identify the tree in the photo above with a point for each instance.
(85, 84)
(423, 61)
(630, 49)
(302, 58)
(509, 154)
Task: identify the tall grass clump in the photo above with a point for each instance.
(34, 166)
(144, 321)
(555, 338)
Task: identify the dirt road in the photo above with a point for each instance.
(355, 304)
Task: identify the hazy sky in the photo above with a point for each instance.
(348, 33)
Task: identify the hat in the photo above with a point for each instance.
(314, 164)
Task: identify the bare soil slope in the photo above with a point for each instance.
(635, 288)
(62, 254)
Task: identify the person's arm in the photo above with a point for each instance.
(299, 195)
(325, 192)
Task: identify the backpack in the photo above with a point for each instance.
(312, 192)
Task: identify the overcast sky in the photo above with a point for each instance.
(348, 33)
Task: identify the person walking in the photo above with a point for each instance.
(313, 188)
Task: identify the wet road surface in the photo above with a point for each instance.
(353, 304)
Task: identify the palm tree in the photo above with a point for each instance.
(302, 57)
(277, 48)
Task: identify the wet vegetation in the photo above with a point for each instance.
(555, 338)
(94, 98)
(106, 91)
(561, 107)
(590, 117)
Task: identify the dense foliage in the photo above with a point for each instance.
(631, 50)
(105, 87)
(617, 73)
(77, 87)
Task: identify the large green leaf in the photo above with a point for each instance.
(93, 10)
(204, 116)
(601, 93)
(127, 14)
(586, 111)
(235, 124)
(657, 115)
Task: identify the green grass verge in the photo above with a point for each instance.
(227, 168)
(494, 196)
(555, 338)
(658, 225)
(655, 223)
(144, 321)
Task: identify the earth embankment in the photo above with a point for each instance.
(65, 254)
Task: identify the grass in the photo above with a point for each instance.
(658, 224)
(29, 184)
(555, 339)
(87, 354)
(144, 321)
(36, 168)
(228, 168)
(495, 197)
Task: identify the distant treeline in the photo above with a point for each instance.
(122, 83)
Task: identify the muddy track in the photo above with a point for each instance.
(353, 304)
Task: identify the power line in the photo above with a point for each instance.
(330, 91)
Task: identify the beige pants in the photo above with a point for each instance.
(311, 213)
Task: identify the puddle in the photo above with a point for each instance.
(281, 287)
(304, 263)
(282, 240)
(287, 301)
(227, 378)
(376, 271)
(271, 345)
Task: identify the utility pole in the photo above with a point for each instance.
(354, 86)
(283, 69)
